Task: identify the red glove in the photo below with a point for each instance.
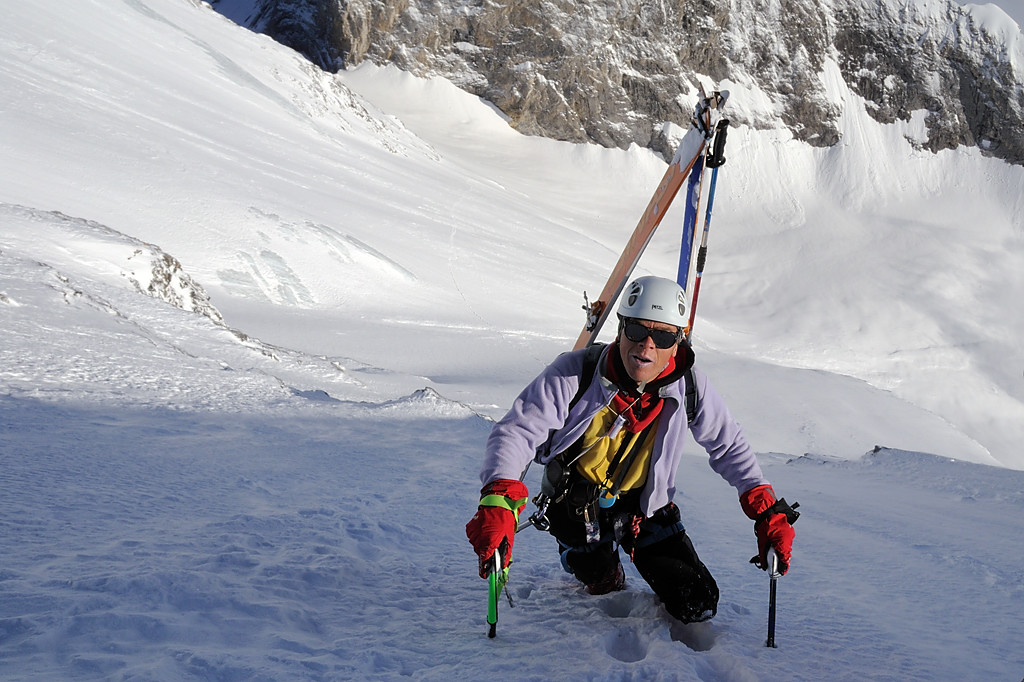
(495, 522)
(773, 525)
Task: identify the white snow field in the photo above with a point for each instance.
(257, 319)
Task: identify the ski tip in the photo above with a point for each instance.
(725, 98)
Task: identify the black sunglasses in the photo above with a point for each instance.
(636, 332)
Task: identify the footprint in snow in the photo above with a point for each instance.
(624, 604)
(626, 645)
(697, 636)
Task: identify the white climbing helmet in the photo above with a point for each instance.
(656, 299)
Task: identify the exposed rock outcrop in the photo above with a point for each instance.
(614, 71)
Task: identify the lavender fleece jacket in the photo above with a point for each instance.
(543, 407)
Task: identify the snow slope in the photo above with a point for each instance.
(257, 319)
(1014, 9)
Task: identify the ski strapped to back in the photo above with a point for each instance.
(693, 193)
(691, 149)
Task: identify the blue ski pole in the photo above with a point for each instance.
(715, 161)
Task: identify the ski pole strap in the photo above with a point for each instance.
(503, 502)
(780, 507)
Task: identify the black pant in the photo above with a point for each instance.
(661, 551)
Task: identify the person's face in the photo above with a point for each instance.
(643, 360)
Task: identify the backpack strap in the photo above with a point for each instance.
(590, 359)
(691, 396)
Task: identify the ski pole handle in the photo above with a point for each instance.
(773, 564)
(717, 156)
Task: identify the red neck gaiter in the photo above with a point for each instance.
(639, 411)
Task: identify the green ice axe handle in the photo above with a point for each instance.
(493, 592)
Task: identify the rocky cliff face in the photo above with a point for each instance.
(614, 71)
(935, 57)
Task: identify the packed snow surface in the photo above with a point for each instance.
(258, 319)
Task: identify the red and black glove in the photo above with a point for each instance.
(496, 519)
(773, 525)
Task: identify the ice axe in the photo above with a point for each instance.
(496, 579)
(493, 590)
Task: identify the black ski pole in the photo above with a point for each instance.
(773, 569)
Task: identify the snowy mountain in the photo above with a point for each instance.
(617, 72)
(258, 319)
